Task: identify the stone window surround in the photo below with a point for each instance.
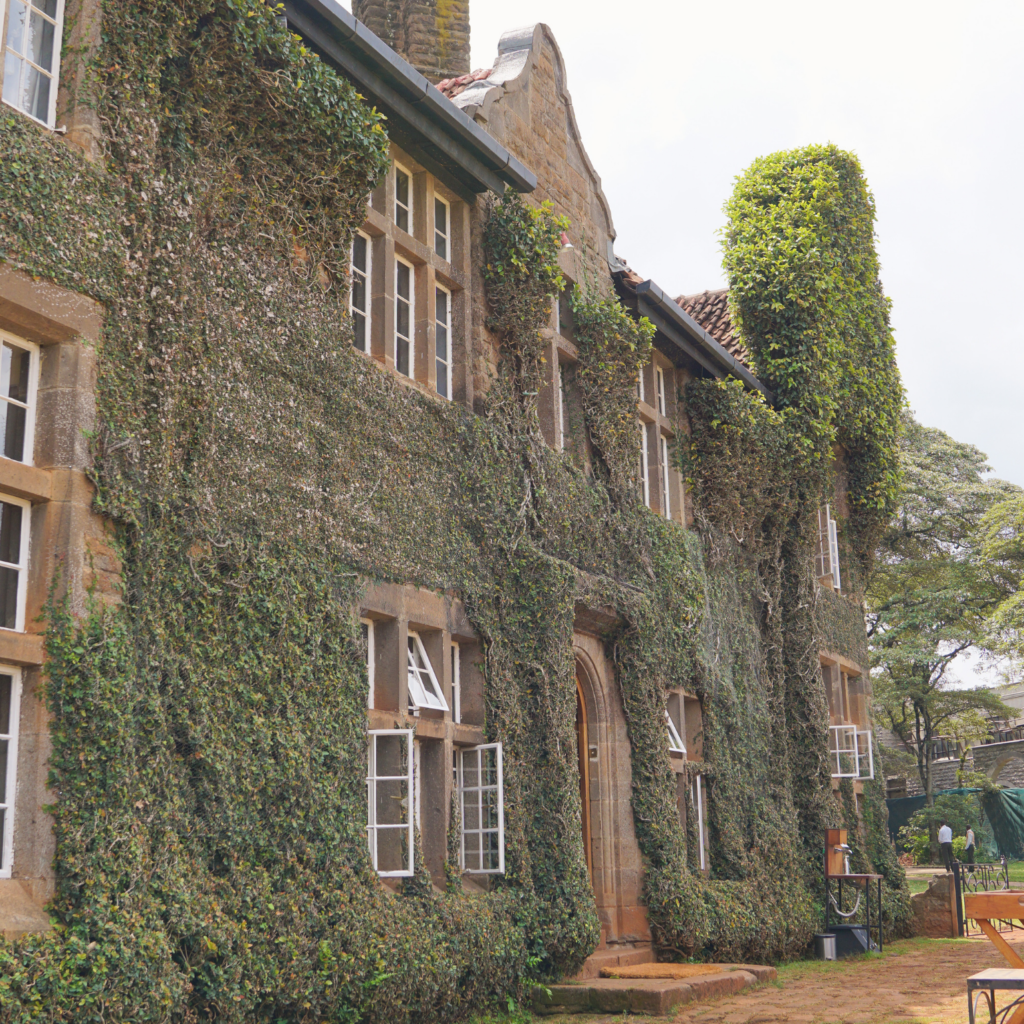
(389, 243)
(454, 652)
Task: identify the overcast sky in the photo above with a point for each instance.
(674, 99)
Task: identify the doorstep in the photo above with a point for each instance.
(654, 996)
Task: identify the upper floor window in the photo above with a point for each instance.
(563, 409)
(32, 55)
(424, 689)
(828, 549)
(13, 561)
(403, 198)
(659, 383)
(663, 444)
(645, 469)
(19, 373)
(403, 317)
(676, 743)
(442, 228)
(640, 386)
(371, 654)
(359, 298)
(443, 340)
(10, 702)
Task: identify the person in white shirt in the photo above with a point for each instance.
(946, 844)
(969, 851)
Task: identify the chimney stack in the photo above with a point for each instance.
(432, 35)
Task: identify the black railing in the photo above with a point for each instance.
(968, 878)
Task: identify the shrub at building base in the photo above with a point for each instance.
(208, 733)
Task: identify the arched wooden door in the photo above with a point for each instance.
(583, 751)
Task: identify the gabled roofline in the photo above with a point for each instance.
(421, 119)
(690, 338)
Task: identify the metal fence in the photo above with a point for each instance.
(968, 878)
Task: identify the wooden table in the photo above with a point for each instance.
(986, 907)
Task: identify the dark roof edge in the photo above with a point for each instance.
(427, 102)
(697, 341)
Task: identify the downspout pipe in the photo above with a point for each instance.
(679, 326)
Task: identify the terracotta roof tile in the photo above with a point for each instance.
(451, 87)
(711, 310)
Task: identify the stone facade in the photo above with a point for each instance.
(935, 908)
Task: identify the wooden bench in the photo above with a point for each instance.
(986, 907)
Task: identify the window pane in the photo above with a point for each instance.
(4, 744)
(36, 98)
(8, 598)
(441, 335)
(470, 774)
(359, 292)
(46, 6)
(441, 245)
(402, 357)
(488, 809)
(359, 336)
(440, 217)
(471, 818)
(16, 21)
(402, 318)
(489, 768)
(402, 280)
(12, 424)
(492, 854)
(10, 533)
(392, 802)
(3, 822)
(40, 41)
(14, 366)
(440, 306)
(359, 253)
(402, 187)
(12, 79)
(472, 858)
(442, 379)
(392, 850)
(391, 756)
(6, 685)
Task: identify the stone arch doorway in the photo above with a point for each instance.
(609, 838)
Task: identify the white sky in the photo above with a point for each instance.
(675, 99)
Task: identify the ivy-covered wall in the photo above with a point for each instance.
(208, 759)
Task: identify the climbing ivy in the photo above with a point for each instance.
(258, 473)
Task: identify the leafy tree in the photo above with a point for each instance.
(932, 592)
(1002, 529)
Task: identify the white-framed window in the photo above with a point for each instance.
(676, 743)
(424, 689)
(443, 340)
(359, 295)
(562, 410)
(482, 802)
(390, 783)
(32, 57)
(19, 379)
(403, 198)
(645, 469)
(404, 323)
(850, 752)
(659, 385)
(663, 453)
(10, 711)
(456, 683)
(14, 530)
(640, 385)
(828, 547)
(442, 228)
(697, 798)
(368, 642)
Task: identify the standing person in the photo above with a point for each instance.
(969, 849)
(946, 844)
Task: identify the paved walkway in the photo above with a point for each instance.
(919, 981)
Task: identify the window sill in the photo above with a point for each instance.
(24, 649)
(27, 482)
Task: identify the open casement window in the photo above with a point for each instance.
(403, 317)
(32, 56)
(359, 296)
(19, 377)
(403, 198)
(828, 547)
(676, 744)
(442, 229)
(850, 752)
(368, 642)
(14, 529)
(443, 340)
(645, 469)
(424, 689)
(10, 707)
(482, 799)
(698, 801)
(390, 784)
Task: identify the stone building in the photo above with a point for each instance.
(419, 314)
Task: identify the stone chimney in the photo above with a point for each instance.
(432, 35)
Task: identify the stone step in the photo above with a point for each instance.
(615, 956)
(655, 996)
